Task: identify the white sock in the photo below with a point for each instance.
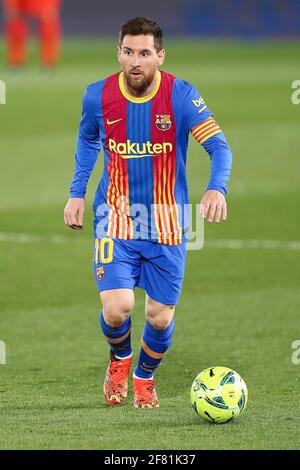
(121, 358)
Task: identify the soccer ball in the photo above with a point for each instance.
(218, 394)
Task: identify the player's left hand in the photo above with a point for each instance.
(213, 206)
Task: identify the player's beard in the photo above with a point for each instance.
(138, 86)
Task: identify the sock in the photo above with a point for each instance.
(118, 338)
(50, 41)
(155, 344)
(16, 35)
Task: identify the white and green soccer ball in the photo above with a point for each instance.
(219, 394)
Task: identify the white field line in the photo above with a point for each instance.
(32, 238)
(227, 244)
(254, 244)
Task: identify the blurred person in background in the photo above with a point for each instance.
(17, 14)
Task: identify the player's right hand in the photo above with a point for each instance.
(74, 213)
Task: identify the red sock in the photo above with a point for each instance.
(50, 41)
(16, 34)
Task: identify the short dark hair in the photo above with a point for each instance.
(142, 25)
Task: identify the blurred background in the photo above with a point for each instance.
(205, 18)
(241, 298)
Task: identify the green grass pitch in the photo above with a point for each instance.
(239, 307)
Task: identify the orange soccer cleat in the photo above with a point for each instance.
(144, 393)
(116, 380)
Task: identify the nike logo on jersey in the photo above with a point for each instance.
(109, 123)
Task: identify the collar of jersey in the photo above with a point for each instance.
(143, 99)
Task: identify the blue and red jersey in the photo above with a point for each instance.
(143, 190)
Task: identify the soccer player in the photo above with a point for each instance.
(16, 14)
(142, 117)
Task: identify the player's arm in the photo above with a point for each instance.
(208, 133)
(213, 203)
(88, 148)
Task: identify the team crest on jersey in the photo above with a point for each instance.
(100, 273)
(163, 122)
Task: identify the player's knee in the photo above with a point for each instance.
(116, 315)
(160, 323)
(160, 319)
(117, 306)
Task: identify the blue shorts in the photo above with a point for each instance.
(157, 268)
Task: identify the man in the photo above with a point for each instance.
(142, 117)
(16, 14)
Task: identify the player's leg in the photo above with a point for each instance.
(116, 269)
(115, 320)
(116, 327)
(16, 32)
(156, 340)
(49, 31)
(157, 336)
(161, 276)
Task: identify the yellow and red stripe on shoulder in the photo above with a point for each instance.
(205, 130)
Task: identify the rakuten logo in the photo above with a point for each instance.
(130, 149)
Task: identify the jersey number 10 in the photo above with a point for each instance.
(104, 250)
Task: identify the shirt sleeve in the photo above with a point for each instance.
(198, 117)
(194, 107)
(221, 162)
(200, 122)
(88, 143)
